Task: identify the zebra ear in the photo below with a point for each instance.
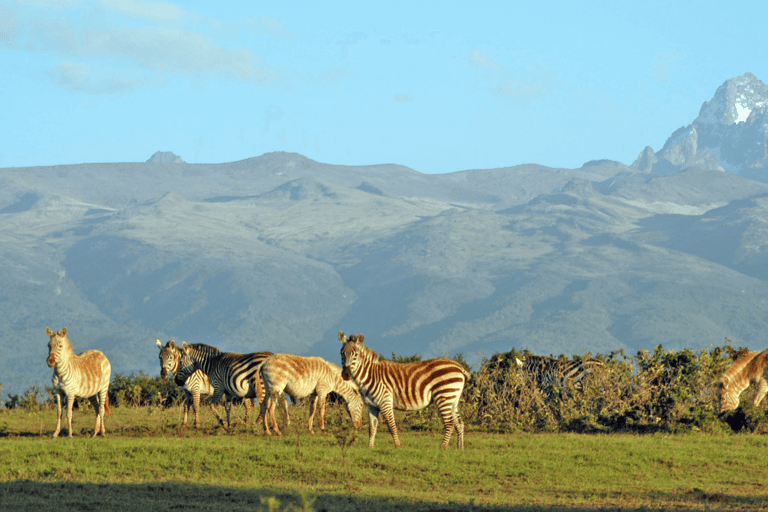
(49, 331)
(360, 338)
(159, 344)
(63, 332)
(342, 338)
(184, 346)
(172, 344)
(519, 362)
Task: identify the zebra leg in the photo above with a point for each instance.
(322, 399)
(312, 411)
(271, 404)
(58, 416)
(185, 405)
(448, 415)
(287, 416)
(247, 405)
(248, 402)
(228, 407)
(265, 415)
(196, 406)
(99, 401)
(389, 417)
(459, 424)
(70, 400)
(373, 424)
(95, 403)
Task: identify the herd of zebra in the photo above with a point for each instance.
(363, 379)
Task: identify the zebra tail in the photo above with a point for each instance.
(107, 410)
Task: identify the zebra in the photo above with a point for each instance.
(236, 375)
(750, 368)
(386, 386)
(300, 377)
(196, 386)
(546, 371)
(84, 375)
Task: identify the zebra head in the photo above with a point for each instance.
(170, 356)
(58, 346)
(727, 397)
(351, 357)
(187, 364)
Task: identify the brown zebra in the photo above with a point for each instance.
(301, 377)
(386, 386)
(196, 386)
(749, 369)
(84, 375)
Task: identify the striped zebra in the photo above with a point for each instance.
(300, 377)
(84, 375)
(386, 386)
(235, 375)
(195, 387)
(546, 371)
(750, 368)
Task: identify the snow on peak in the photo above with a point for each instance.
(742, 113)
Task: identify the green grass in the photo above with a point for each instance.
(147, 462)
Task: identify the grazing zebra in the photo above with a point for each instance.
(545, 371)
(196, 386)
(749, 369)
(386, 386)
(236, 375)
(84, 375)
(300, 377)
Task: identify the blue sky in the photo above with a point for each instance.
(436, 86)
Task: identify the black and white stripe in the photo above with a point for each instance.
(234, 375)
(195, 387)
(546, 371)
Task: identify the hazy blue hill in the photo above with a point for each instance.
(279, 252)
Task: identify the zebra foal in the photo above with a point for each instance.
(234, 375)
(84, 375)
(386, 386)
(301, 377)
(196, 386)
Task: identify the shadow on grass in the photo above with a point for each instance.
(26, 495)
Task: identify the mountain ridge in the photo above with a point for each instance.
(279, 252)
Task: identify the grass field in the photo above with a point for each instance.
(148, 463)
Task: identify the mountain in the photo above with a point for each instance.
(730, 134)
(280, 252)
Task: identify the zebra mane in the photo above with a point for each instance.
(744, 368)
(203, 349)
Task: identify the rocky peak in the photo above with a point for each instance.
(730, 134)
(165, 157)
(734, 101)
(646, 160)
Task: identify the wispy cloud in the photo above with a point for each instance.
(82, 78)
(481, 59)
(519, 81)
(156, 11)
(160, 44)
(403, 98)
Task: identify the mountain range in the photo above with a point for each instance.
(280, 252)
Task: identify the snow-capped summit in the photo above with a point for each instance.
(734, 101)
(730, 133)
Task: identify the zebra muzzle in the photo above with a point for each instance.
(345, 374)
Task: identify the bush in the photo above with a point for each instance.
(655, 391)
